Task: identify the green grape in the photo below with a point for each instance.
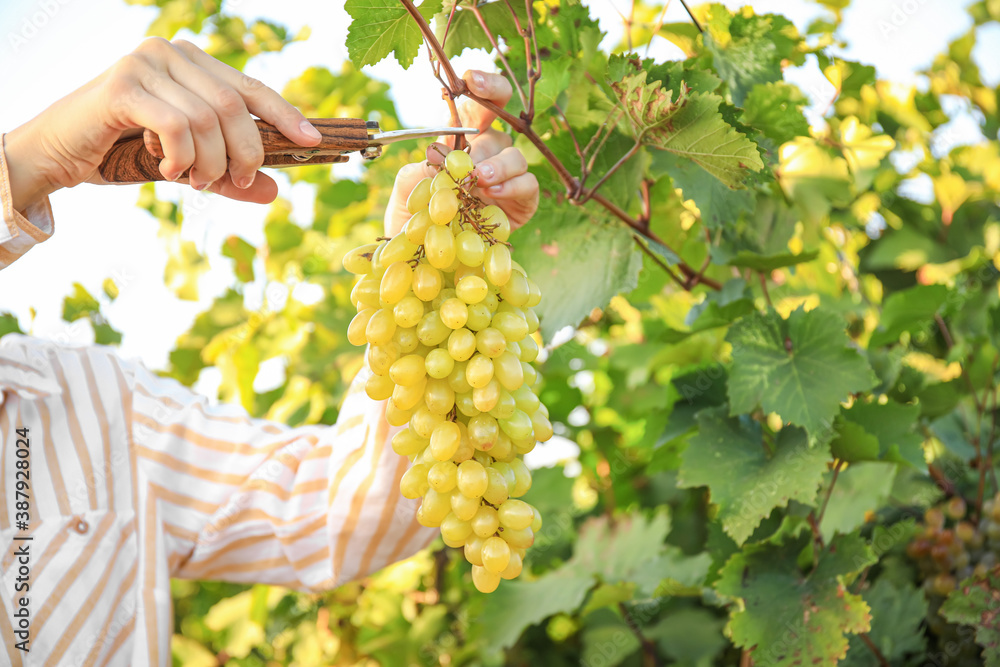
(530, 374)
(496, 490)
(503, 448)
(471, 289)
(420, 196)
(497, 264)
(454, 313)
(474, 549)
(515, 514)
(529, 349)
(517, 426)
(492, 302)
(408, 370)
(505, 470)
(439, 396)
(466, 404)
(425, 423)
(359, 260)
(443, 207)
(398, 249)
(377, 267)
(408, 311)
(427, 282)
(395, 416)
(414, 482)
(457, 378)
(485, 522)
(463, 271)
(407, 443)
(512, 326)
(479, 371)
(379, 387)
(522, 478)
(469, 248)
(484, 580)
(455, 531)
(462, 505)
(493, 215)
(381, 357)
(534, 294)
(356, 329)
(434, 508)
(458, 164)
(521, 539)
(514, 566)
(508, 371)
(431, 330)
(443, 295)
(380, 327)
(486, 398)
(408, 397)
(483, 432)
(505, 406)
(366, 292)
(536, 523)
(524, 445)
(439, 245)
(531, 317)
(490, 342)
(406, 339)
(439, 363)
(416, 227)
(496, 554)
(472, 479)
(479, 317)
(541, 427)
(445, 440)
(461, 344)
(443, 181)
(514, 348)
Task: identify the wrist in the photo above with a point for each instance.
(28, 183)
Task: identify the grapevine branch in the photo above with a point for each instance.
(457, 87)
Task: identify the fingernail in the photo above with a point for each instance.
(495, 190)
(199, 186)
(485, 171)
(244, 182)
(307, 128)
(479, 80)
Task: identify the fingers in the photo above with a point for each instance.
(492, 87)
(488, 144)
(171, 125)
(263, 190)
(521, 188)
(507, 165)
(262, 101)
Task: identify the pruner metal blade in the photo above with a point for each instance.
(378, 139)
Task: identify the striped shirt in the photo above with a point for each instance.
(131, 479)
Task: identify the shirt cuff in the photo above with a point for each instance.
(20, 230)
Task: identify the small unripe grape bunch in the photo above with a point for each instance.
(448, 317)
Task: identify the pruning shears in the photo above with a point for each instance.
(136, 159)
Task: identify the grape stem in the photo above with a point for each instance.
(457, 87)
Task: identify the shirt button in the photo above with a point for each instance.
(80, 526)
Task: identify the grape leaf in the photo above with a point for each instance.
(765, 263)
(242, 254)
(381, 27)
(719, 309)
(517, 604)
(801, 368)
(879, 432)
(897, 613)
(688, 124)
(775, 109)
(975, 603)
(8, 324)
(813, 178)
(908, 310)
(720, 205)
(579, 262)
(465, 31)
(616, 551)
(792, 618)
(728, 455)
(860, 488)
(79, 304)
(607, 639)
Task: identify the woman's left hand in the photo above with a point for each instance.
(502, 170)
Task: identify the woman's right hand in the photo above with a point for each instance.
(199, 107)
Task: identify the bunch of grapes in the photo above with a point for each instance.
(447, 315)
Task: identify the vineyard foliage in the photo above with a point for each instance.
(773, 338)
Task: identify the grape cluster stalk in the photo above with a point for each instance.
(447, 315)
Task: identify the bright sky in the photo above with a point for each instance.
(100, 233)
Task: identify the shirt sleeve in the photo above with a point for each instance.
(247, 500)
(19, 230)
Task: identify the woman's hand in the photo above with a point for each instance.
(502, 170)
(198, 106)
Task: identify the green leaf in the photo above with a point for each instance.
(519, 603)
(79, 304)
(465, 31)
(889, 426)
(381, 27)
(719, 309)
(689, 125)
(974, 603)
(690, 636)
(555, 80)
(673, 574)
(775, 109)
(801, 368)
(790, 617)
(898, 610)
(615, 550)
(860, 488)
(720, 206)
(8, 324)
(104, 333)
(579, 263)
(767, 263)
(909, 310)
(607, 639)
(746, 480)
(242, 254)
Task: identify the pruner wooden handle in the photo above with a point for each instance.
(137, 159)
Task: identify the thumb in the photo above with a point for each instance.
(396, 213)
